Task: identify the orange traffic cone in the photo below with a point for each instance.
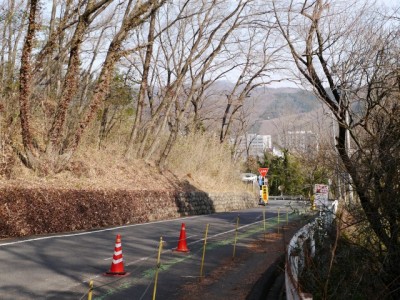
(117, 265)
(182, 246)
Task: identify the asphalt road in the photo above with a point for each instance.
(61, 266)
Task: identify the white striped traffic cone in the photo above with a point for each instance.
(117, 265)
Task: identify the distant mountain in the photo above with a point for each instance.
(270, 103)
(274, 111)
(272, 107)
(288, 102)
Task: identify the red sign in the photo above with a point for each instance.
(263, 171)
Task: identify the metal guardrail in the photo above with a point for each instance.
(287, 197)
(295, 256)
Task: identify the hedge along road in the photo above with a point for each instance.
(61, 266)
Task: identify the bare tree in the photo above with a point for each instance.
(53, 152)
(143, 84)
(187, 47)
(256, 59)
(349, 55)
(205, 49)
(12, 20)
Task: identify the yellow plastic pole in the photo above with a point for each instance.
(158, 268)
(287, 216)
(236, 233)
(90, 290)
(204, 252)
(279, 217)
(313, 202)
(264, 221)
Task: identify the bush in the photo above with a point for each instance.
(355, 272)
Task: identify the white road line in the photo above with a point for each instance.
(138, 260)
(110, 229)
(95, 231)
(191, 243)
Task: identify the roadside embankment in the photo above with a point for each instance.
(29, 211)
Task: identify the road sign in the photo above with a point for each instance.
(321, 194)
(265, 193)
(263, 171)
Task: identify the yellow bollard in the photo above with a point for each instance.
(204, 252)
(158, 268)
(312, 199)
(264, 221)
(287, 216)
(279, 217)
(90, 290)
(236, 233)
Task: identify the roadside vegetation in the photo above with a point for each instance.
(198, 159)
(95, 93)
(206, 163)
(346, 265)
(348, 54)
(293, 172)
(348, 261)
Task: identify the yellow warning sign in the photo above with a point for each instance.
(265, 193)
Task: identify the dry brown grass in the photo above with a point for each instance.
(98, 169)
(207, 163)
(197, 160)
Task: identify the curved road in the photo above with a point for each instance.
(61, 266)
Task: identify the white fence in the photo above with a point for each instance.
(303, 241)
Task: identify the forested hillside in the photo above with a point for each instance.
(285, 102)
(283, 105)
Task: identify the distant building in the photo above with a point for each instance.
(254, 144)
(301, 140)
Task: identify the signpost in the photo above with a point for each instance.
(264, 187)
(263, 171)
(265, 193)
(321, 195)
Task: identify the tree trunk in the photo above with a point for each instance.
(25, 87)
(143, 86)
